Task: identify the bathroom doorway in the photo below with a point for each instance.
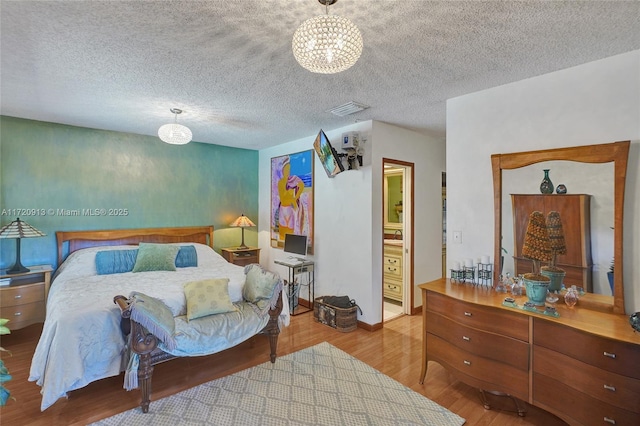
(397, 252)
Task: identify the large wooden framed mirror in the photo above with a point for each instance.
(616, 153)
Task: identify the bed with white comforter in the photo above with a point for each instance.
(81, 341)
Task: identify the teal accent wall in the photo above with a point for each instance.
(58, 174)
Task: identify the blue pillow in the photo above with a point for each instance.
(186, 257)
(119, 261)
(115, 261)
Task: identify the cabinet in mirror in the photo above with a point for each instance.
(574, 211)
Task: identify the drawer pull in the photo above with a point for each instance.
(18, 296)
(466, 362)
(17, 314)
(466, 339)
(610, 355)
(467, 314)
(608, 420)
(611, 388)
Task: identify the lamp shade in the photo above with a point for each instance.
(242, 222)
(327, 44)
(174, 133)
(19, 229)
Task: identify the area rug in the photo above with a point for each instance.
(320, 385)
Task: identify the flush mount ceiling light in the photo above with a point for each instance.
(327, 44)
(174, 133)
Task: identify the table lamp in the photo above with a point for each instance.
(242, 222)
(19, 229)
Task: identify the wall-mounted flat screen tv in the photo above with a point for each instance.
(328, 156)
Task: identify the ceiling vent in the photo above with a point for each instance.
(348, 108)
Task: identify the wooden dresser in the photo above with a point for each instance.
(583, 366)
(574, 211)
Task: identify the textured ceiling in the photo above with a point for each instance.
(121, 65)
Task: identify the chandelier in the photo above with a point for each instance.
(327, 44)
(174, 133)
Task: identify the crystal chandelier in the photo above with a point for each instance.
(174, 133)
(327, 44)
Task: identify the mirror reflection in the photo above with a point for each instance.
(596, 183)
(590, 259)
(616, 153)
(393, 198)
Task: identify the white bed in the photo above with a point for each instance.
(82, 342)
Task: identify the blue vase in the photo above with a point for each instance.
(610, 278)
(536, 291)
(546, 186)
(556, 277)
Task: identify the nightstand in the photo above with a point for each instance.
(24, 300)
(241, 256)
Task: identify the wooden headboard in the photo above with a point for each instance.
(115, 237)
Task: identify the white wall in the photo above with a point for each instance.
(598, 102)
(428, 155)
(342, 222)
(348, 213)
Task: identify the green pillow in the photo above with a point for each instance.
(156, 257)
(208, 297)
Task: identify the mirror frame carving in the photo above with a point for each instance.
(616, 152)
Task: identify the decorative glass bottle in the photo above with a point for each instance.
(571, 296)
(546, 186)
(518, 286)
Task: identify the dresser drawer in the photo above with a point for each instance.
(393, 266)
(577, 407)
(494, 320)
(20, 295)
(610, 355)
(478, 371)
(243, 261)
(612, 388)
(393, 289)
(23, 315)
(489, 345)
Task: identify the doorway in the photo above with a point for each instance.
(397, 248)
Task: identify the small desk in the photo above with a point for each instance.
(241, 256)
(299, 267)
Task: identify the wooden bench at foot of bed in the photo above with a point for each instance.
(145, 344)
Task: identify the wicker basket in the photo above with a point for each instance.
(342, 319)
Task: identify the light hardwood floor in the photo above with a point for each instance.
(394, 350)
